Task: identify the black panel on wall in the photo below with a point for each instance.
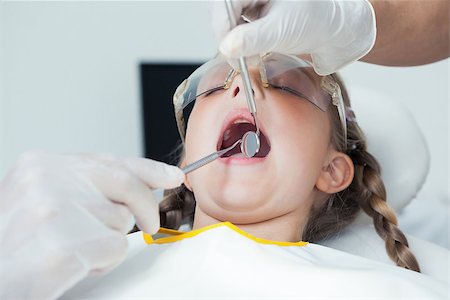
(159, 82)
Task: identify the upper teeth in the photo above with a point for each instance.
(240, 121)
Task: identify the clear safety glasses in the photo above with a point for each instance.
(288, 73)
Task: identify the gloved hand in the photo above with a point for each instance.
(334, 33)
(63, 217)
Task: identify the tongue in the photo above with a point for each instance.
(235, 132)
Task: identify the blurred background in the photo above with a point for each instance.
(72, 75)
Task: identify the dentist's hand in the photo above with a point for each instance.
(63, 217)
(334, 33)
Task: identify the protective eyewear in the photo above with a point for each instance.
(285, 72)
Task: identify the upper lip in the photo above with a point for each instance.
(231, 117)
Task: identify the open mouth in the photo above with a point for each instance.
(234, 131)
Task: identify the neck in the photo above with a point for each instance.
(285, 228)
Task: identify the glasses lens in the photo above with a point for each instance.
(210, 76)
(295, 76)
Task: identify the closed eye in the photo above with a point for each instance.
(212, 91)
(289, 90)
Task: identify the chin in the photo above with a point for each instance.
(240, 200)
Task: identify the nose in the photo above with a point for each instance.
(237, 88)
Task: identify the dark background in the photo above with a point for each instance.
(158, 84)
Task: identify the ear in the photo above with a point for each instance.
(187, 183)
(337, 173)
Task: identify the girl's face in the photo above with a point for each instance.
(252, 190)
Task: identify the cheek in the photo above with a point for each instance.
(303, 123)
(300, 134)
(201, 140)
(201, 131)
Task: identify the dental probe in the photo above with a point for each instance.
(203, 161)
(207, 159)
(254, 142)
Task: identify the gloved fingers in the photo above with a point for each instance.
(104, 157)
(121, 186)
(220, 19)
(249, 39)
(154, 173)
(116, 216)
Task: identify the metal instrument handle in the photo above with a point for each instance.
(207, 159)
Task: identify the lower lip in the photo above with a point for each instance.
(239, 160)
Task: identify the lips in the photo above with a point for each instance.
(236, 124)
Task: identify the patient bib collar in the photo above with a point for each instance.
(166, 235)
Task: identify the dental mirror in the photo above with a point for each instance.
(250, 144)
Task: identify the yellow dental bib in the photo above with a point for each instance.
(223, 262)
(175, 235)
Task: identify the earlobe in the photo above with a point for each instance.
(337, 174)
(187, 183)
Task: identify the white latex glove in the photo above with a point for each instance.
(334, 33)
(63, 217)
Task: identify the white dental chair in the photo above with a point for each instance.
(396, 141)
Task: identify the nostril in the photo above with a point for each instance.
(236, 91)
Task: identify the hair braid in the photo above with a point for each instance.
(373, 201)
(177, 206)
(366, 192)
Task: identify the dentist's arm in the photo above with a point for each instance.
(413, 32)
(64, 217)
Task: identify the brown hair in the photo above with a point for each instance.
(366, 192)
